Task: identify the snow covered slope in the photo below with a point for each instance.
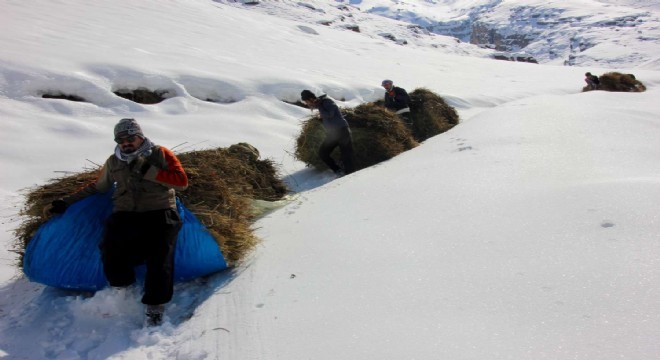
(345, 16)
(528, 231)
(622, 33)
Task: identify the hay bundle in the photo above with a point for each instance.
(618, 82)
(377, 136)
(37, 198)
(431, 114)
(222, 182)
(240, 167)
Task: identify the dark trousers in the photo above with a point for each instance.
(149, 238)
(342, 138)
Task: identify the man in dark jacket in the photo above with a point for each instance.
(592, 80)
(337, 132)
(397, 100)
(144, 223)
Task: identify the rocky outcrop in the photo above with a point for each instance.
(499, 39)
(515, 57)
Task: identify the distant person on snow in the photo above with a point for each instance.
(397, 100)
(592, 81)
(144, 223)
(337, 132)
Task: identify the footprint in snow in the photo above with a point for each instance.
(606, 224)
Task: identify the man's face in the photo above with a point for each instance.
(309, 103)
(130, 143)
(387, 86)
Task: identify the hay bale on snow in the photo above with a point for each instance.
(239, 166)
(37, 198)
(377, 136)
(431, 114)
(222, 182)
(618, 82)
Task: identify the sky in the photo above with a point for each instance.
(529, 231)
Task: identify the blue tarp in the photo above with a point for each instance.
(64, 252)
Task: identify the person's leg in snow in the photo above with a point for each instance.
(117, 250)
(154, 315)
(342, 138)
(329, 144)
(160, 241)
(346, 148)
(146, 238)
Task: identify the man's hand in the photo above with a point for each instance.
(140, 166)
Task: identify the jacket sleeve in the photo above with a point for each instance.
(102, 183)
(172, 175)
(330, 108)
(402, 97)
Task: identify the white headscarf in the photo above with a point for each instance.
(143, 150)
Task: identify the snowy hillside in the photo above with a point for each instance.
(528, 231)
(342, 15)
(622, 33)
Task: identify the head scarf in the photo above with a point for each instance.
(143, 150)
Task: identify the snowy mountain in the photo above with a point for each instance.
(528, 231)
(571, 32)
(348, 17)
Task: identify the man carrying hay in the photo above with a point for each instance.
(397, 100)
(144, 223)
(337, 132)
(592, 81)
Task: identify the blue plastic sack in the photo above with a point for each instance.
(64, 252)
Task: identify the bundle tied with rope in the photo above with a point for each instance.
(618, 82)
(377, 136)
(378, 133)
(431, 114)
(222, 184)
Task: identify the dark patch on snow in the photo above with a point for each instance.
(144, 96)
(354, 28)
(63, 96)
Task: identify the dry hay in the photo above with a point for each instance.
(618, 82)
(221, 184)
(240, 165)
(377, 136)
(36, 200)
(431, 114)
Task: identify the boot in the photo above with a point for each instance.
(154, 315)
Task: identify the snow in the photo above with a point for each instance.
(553, 32)
(529, 231)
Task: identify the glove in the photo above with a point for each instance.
(57, 207)
(140, 166)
